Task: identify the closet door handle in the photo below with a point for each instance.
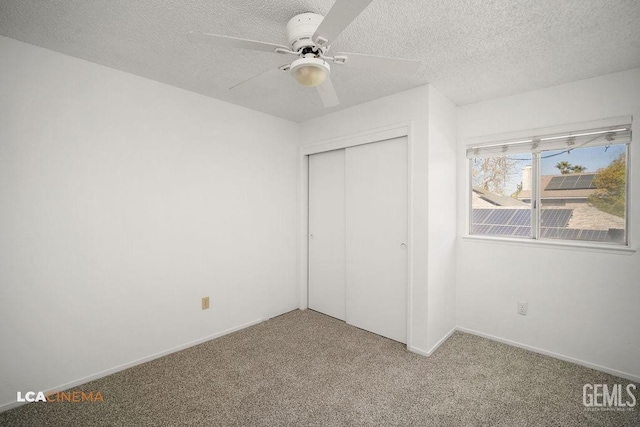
(403, 245)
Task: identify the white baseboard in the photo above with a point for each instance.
(631, 377)
(417, 350)
(442, 340)
(435, 346)
(75, 383)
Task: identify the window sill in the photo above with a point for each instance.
(582, 246)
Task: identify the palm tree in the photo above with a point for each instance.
(578, 169)
(566, 168)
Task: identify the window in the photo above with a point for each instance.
(570, 186)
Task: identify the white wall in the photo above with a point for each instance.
(124, 201)
(582, 305)
(442, 218)
(413, 106)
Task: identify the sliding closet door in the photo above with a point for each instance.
(327, 233)
(376, 231)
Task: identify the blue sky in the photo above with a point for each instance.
(593, 158)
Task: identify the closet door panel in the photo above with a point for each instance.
(376, 237)
(327, 233)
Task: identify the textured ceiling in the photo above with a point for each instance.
(471, 50)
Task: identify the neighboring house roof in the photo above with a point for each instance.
(569, 186)
(497, 199)
(581, 223)
(586, 216)
(497, 215)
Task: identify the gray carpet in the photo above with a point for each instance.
(307, 369)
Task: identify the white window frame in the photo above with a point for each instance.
(489, 144)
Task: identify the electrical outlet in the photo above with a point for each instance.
(522, 308)
(205, 303)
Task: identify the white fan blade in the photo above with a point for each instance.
(328, 94)
(338, 18)
(390, 65)
(267, 75)
(226, 41)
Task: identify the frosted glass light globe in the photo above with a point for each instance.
(310, 72)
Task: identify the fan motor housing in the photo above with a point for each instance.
(300, 30)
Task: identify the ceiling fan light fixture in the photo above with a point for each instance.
(310, 72)
(310, 36)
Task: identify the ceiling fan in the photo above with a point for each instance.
(310, 36)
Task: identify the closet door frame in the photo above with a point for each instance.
(369, 137)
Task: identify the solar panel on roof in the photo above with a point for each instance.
(548, 232)
(595, 235)
(555, 217)
(555, 183)
(521, 217)
(559, 233)
(480, 215)
(569, 233)
(568, 183)
(500, 216)
(503, 230)
(585, 182)
(500, 222)
(522, 231)
(481, 229)
(571, 182)
(574, 234)
(515, 223)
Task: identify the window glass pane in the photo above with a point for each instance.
(583, 194)
(501, 196)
